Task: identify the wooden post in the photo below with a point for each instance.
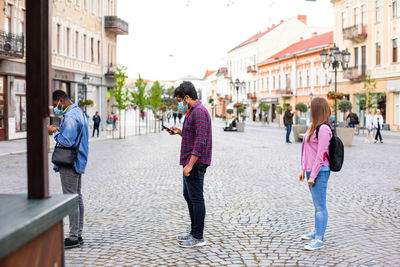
(38, 60)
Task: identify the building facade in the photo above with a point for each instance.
(84, 38)
(370, 31)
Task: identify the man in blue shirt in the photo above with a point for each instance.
(73, 125)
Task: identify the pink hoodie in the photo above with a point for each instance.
(314, 153)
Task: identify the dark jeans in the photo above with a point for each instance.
(193, 193)
(288, 130)
(378, 133)
(96, 128)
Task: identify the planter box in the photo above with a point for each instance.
(240, 126)
(346, 135)
(297, 130)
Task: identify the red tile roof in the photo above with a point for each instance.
(313, 42)
(208, 73)
(256, 36)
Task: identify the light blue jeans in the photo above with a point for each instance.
(318, 193)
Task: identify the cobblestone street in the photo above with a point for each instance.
(256, 207)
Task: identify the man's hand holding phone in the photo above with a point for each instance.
(173, 131)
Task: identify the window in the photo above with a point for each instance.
(267, 83)
(19, 88)
(356, 57)
(343, 20)
(85, 4)
(78, 2)
(273, 82)
(262, 84)
(288, 81)
(357, 17)
(84, 47)
(378, 11)
(76, 44)
(317, 77)
(279, 82)
(364, 15)
(378, 53)
(300, 80)
(308, 78)
(98, 52)
(397, 108)
(7, 19)
(395, 8)
(99, 7)
(68, 41)
(394, 51)
(91, 50)
(58, 38)
(21, 29)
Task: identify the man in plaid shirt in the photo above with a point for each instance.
(196, 151)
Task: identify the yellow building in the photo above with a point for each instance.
(369, 29)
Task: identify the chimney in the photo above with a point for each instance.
(282, 21)
(314, 34)
(301, 38)
(302, 18)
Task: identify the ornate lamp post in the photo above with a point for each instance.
(337, 58)
(238, 85)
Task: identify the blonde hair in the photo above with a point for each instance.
(320, 113)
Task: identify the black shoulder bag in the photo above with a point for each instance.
(66, 156)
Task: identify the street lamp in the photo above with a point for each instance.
(238, 85)
(337, 58)
(86, 80)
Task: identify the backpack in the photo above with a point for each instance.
(336, 150)
(354, 118)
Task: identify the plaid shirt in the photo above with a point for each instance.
(197, 135)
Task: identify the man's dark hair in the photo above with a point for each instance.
(186, 88)
(59, 94)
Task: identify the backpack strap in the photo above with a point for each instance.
(319, 126)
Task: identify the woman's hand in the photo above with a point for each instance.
(311, 181)
(301, 176)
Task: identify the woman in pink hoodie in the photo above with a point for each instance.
(315, 166)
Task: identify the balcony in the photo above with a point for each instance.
(356, 33)
(251, 69)
(252, 96)
(283, 92)
(116, 25)
(111, 69)
(355, 74)
(11, 45)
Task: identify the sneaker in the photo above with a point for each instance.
(376, 141)
(80, 239)
(315, 244)
(194, 242)
(381, 141)
(68, 243)
(308, 237)
(184, 238)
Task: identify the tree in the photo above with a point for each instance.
(369, 88)
(279, 110)
(302, 107)
(155, 100)
(344, 106)
(120, 93)
(138, 96)
(264, 108)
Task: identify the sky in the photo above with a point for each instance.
(170, 39)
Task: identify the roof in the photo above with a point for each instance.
(189, 78)
(256, 36)
(308, 44)
(208, 73)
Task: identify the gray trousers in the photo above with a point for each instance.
(71, 184)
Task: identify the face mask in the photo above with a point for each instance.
(182, 106)
(57, 111)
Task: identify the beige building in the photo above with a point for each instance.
(369, 29)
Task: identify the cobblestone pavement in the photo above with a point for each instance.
(256, 208)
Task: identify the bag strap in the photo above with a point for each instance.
(319, 126)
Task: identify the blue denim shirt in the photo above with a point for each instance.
(74, 123)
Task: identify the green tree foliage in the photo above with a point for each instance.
(155, 100)
(302, 107)
(345, 106)
(120, 93)
(138, 95)
(369, 88)
(230, 111)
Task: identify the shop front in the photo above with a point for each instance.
(3, 110)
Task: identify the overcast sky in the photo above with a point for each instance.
(169, 39)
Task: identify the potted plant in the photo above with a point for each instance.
(279, 110)
(301, 127)
(345, 134)
(240, 125)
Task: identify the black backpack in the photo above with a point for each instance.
(336, 150)
(354, 118)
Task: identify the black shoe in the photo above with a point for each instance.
(288, 142)
(80, 239)
(68, 243)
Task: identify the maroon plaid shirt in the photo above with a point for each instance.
(197, 135)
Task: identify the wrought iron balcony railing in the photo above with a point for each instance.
(251, 96)
(111, 69)
(116, 25)
(11, 45)
(251, 69)
(356, 33)
(355, 73)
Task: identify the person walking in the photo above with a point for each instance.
(109, 127)
(378, 123)
(288, 121)
(315, 166)
(196, 152)
(174, 115)
(169, 116)
(115, 121)
(369, 125)
(180, 117)
(73, 132)
(96, 123)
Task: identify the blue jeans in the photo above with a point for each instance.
(318, 193)
(288, 130)
(193, 194)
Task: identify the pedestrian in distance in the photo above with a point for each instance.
(109, 123)
(378, 123)
(180, 117)
(288, 121)
(196, 152)
(369, 125)
(175, 115)
(96, 123)
(73, 133)
(315, 167)
(115, 121)
(168, 116)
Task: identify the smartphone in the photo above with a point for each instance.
(166, 128)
